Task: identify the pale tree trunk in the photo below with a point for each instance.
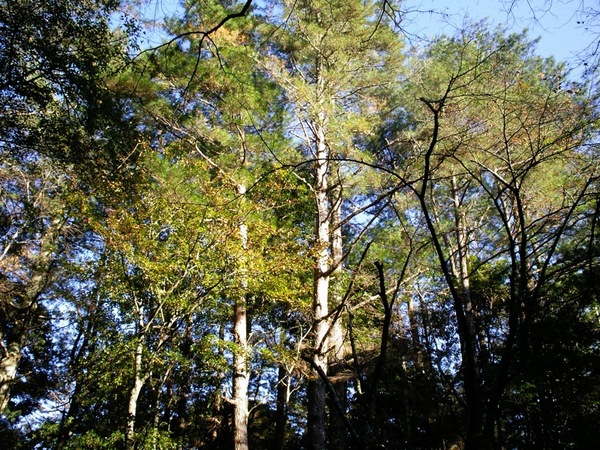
(240, 319)
(240, 355)
(316, 385)
(11, 355)
(139, 378)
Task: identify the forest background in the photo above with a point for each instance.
(294, 225)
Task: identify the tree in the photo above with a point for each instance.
(161, 283)
(326, 245)
(336, 63)
(219, 109)
(56, 57)
(495, 189)
(34, 225)
(55, 107)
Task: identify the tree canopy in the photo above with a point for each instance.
(284, 227)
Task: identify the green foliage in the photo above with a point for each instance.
(466, 170)
(500, 149)
(56, 57)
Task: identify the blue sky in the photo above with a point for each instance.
(555, 22)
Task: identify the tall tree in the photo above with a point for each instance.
(413, 241)
(35, 222)
(217, 107)
(55, 59)
(164, 275)
(494, 190)
(337, 63)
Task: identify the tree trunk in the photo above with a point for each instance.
(316, 385)
(240, 355)
(283, 393)
(8, 370)
(134, 394)
(337, 424)
(240, 379)
(468, 350)
(472, 380)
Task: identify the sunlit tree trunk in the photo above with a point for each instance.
(333, 77)
(139, 378)
(8, 368)
(240, 355)
(320, 307)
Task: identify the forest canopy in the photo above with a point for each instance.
(287, 226)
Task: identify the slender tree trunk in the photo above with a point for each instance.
(468, 350)
(134, 394)
(8, 369)
(283, 393)
(372, 425)
(337, 425)
(240, 380)
(240, 356)
(316, 386)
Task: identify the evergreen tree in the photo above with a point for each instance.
(338, 63)
(62, 132)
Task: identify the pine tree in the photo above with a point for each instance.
(338, 65)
